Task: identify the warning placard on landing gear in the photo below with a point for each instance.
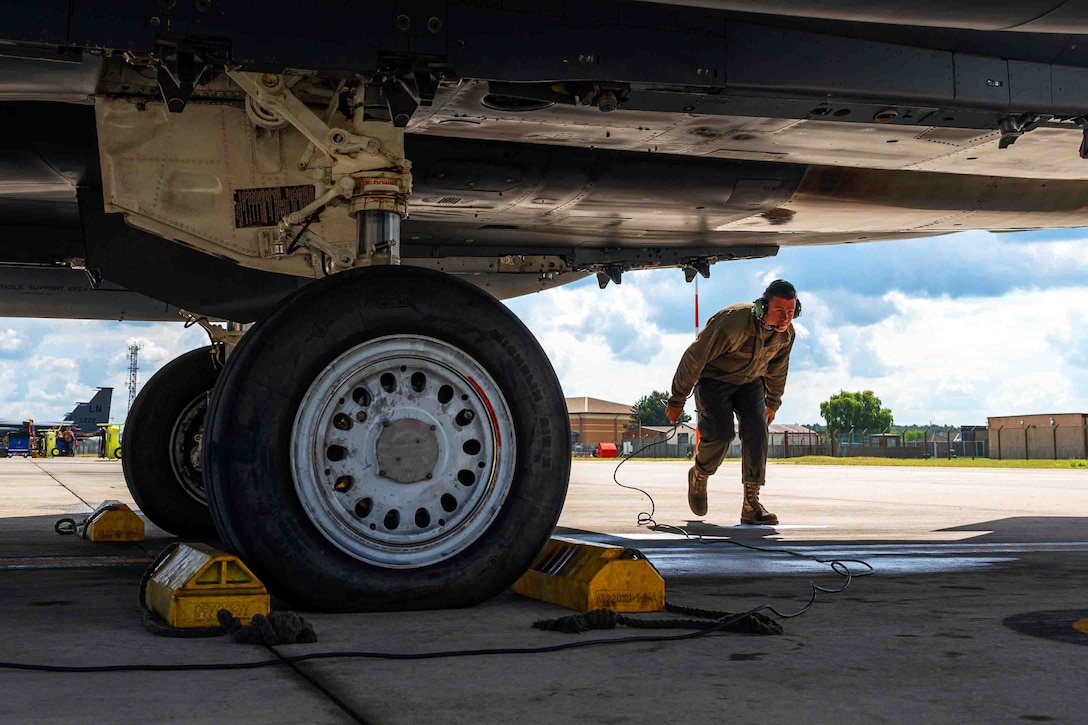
(265, 207)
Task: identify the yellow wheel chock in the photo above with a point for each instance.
(585, 576)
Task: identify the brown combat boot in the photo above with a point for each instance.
(752, 511)
(697, 491)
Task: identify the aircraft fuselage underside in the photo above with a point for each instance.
(547, 141)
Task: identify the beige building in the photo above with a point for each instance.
(1044, 435)
(594, 421)
(791, 434)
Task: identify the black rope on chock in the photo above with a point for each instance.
(276, 628)
(69, 527)
(578, 623)
(709, 619)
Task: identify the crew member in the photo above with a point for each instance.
(737, 364)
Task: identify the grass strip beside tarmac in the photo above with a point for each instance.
(931, 462)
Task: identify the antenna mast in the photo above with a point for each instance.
(133, 368)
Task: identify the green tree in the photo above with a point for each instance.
(650, 410)
(860, 411)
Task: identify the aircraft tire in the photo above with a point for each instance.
(412, 362)
(159, 437)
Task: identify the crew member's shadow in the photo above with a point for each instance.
(702, 528)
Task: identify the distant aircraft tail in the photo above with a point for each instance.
(87, 416)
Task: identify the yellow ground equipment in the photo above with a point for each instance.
(51, 449)
(194, 581)
(113, 521)
(113, 442)
(584, 576)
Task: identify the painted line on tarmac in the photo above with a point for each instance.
(70, 562)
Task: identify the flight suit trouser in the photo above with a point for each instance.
(716, 403)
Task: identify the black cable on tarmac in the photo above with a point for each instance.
(839, 566)
(718, 626)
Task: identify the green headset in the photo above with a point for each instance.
(759, 308)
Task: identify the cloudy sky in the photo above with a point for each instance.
(945, 330)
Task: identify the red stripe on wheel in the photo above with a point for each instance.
(490, 410)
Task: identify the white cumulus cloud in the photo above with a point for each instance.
(10, 341)
(931, 359)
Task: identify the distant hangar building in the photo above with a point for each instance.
(594, 421)
(1042, 435)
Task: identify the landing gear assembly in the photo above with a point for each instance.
(388, 437)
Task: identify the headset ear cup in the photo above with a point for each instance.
(797, 310)
(759, 308)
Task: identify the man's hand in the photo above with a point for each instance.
(673, 413)
(770, 416)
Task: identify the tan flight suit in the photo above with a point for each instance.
(736, 365)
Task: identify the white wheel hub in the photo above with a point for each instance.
(403, 451)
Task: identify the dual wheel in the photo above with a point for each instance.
(388, 438)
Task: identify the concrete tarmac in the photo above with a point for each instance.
(980, 577)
